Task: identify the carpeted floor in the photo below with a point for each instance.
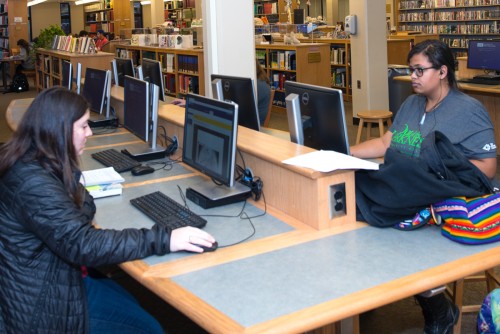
(401, 317)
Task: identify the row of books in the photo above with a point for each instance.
(339, 78)
(188, 64)
(168, 62)
(4, 8)
(278, 79)
(109, 27)
(4, 43)
(74, 44)
(169, 83)
(99, 16)
(4, 20)
(338, 56)
(283, 60)
(265, 8)
(188, 84)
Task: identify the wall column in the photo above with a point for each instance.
(369, 56)
(228, 39)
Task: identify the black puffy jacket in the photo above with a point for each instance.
(44, 240)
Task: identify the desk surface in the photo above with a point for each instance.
(289, 277)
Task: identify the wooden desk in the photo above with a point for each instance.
(15, 111)
(290, 277)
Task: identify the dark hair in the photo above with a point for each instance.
(24, 44)
(100, 31)
(45, 134)
(439, 54)
(261, 74)
(83, 33)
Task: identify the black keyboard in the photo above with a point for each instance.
(481, 81)
(165, 211)
(119, 161)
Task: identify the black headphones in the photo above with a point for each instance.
(171, 148)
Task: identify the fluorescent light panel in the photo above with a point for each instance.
(82, 2)
(147, 2)
(35, 2)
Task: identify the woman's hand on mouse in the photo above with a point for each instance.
(185, 238)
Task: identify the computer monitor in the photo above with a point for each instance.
(97, 90)
(241, 91)
(122, 67)
(140, 116)
(484, 55)
(67, 74)
(151, 71)
(210, 135)
(317, 113)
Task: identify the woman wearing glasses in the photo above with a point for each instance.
(437, 106)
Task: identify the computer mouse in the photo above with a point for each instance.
(178, 102)
(209, 249)
(142, 170)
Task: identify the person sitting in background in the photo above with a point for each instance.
(25, 54)
(83, 33)
(101, 40)
(48, 242)
(263, 92)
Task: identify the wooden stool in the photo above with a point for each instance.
(456, 292)
(373, 116)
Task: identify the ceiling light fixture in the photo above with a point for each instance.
(82, 2)
(35, 2)
(147, 2)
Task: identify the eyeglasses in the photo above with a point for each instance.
(419, 71)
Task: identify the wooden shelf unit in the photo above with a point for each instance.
(11, 30)
(183, 69)
(273, 10)
(311, 65)
(181, 13)
(49, 65)
(456, 21)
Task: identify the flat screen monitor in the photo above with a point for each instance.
(484, 55)
(241, 91)
(97, 90)
(122, 67)
(78, 77)
(140, 116)
(151, 71)
(319, 113)
(67, 74)
(210, 134)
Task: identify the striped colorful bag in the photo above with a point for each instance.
(471, 221)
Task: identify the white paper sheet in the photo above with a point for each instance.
(327, 161)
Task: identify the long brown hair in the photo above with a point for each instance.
(261, 73)
(45, 135)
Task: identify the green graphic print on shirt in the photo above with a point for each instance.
(407, 141)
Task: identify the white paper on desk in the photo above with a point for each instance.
(106, 175)
(327, 161)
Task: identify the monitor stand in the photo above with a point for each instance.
(145, 153)
(97, 120)
(209, 195)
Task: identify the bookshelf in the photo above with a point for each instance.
(13, 23)
(99, 16)
(49, 65)
(456, 21)
(183, 69)
(306, 62)
(180, 13)
(273, 10)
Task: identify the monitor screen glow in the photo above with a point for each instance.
(210, 134)
(484, 55)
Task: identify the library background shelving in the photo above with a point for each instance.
(49, 64)
(305, 62)
(183, 69)
(180, 13)
(99, 16)
(13, 23)
(456, 21)
(273, 10)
